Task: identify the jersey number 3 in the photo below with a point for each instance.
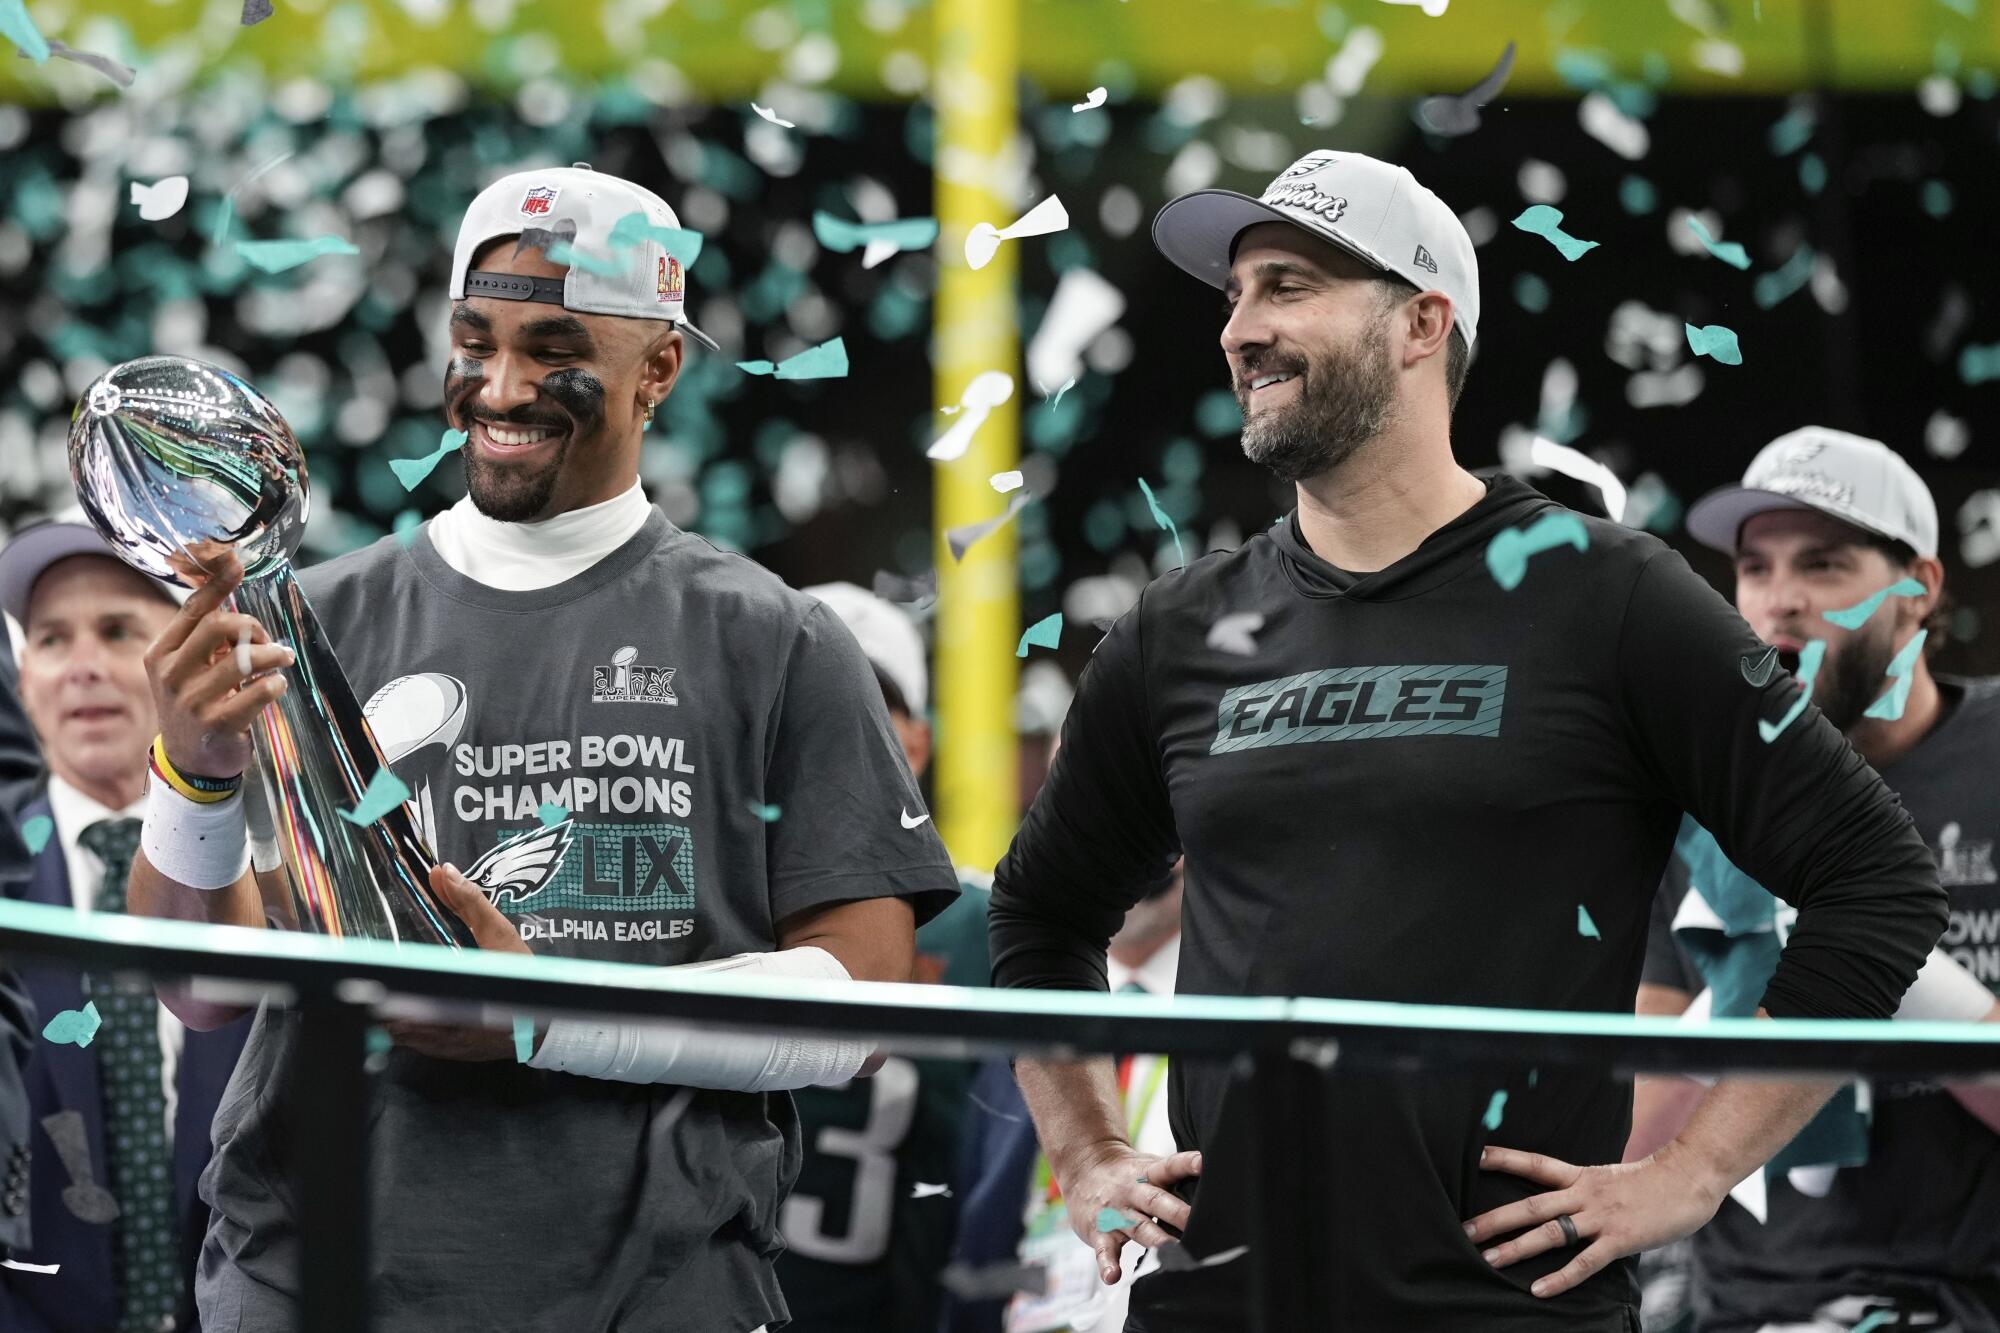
(892, 1106)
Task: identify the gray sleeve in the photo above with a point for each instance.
(844, 792)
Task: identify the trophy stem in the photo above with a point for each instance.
(315, 757)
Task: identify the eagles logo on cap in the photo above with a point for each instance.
(539, 200)
(671, 283)
(1308, 164)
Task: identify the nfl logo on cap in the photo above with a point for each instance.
(539, 201)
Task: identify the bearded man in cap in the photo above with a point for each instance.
(1516, 726)
(730, 793)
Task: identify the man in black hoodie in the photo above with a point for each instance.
(1448, 769)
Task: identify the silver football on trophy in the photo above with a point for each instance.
(171, 456)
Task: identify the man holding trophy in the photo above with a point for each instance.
(638, 747)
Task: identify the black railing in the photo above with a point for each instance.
(337, 985)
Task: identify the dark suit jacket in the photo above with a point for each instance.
(20, 765)
(64, 1078)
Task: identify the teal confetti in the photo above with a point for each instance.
(1542, 220)
(379, 1041)
(842, 237)
(1056, 402)
(524, 1040)
(1854, 617)
(1507, 554)
(1965, 9)
(680, 242)
(411, 471)
(1977, 364)
(1584, 925)
(1812, 173)
(1873, 1321)
(1890, 706)
(35, 832)
(552, 813)
(1715, 340)
(278, 256)
(1534, 1075)
(1772, 288)
(385, 792)
(1637, 196)
(74, 1027)
(1792, 132)
(1110, 1219)
(562, 252)
(827, 361)
(406, 525)
(1937, 199)
(1160, 517)
(18, 28)
(1729, 252)
(1531, 293)
(1044, 633)
(1496, 1108)
(768, 813)
(1809, 660)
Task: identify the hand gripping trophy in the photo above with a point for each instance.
(176, 461)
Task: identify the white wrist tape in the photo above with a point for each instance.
(201, 846)
(1946, 992)
(736, 1061)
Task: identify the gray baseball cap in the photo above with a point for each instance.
(1374, 210)
(1850, 477)
(30, 552)
(629, 273)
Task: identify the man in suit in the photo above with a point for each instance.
(124, 1121)
(19, 766)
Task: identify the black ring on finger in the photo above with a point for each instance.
(1568, 1225)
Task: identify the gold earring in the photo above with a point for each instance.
(650, 407)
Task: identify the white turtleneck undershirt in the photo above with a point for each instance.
(521, 557)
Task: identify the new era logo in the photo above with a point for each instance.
(1424, 260)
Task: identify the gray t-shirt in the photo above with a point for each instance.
(667, 698)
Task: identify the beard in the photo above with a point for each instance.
(1854, 677)
(1346, 397)
(522, 492)
(514, 492)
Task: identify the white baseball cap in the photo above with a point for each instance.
(34, 548)
(584, 206)
(1374, 210)
(1850, 477)
(887, 637)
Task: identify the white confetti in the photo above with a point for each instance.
(30, 1268)
(1946, 435)
(162, 199)
(1231, 634)
(983, 241)
(772, 116)
(1979, 529)
(986, 391)
(921, 1190)
(1622, 134)
(1583, 468)
(1084, 306)
(1091, 102)
(1434, 8)
(1004, 482)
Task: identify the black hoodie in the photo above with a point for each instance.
(1413, 789)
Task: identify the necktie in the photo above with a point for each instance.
(145, 1240)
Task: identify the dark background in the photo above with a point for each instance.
(827, 479)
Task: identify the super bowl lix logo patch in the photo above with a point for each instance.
(671, 283)
(625, 680)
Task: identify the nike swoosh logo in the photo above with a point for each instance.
(913, 823)
(1757, 669)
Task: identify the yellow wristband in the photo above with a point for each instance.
(202, 791)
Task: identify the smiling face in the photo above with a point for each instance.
(553, 403)
(1310, 348)
(83, 673)
(1793, 566)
